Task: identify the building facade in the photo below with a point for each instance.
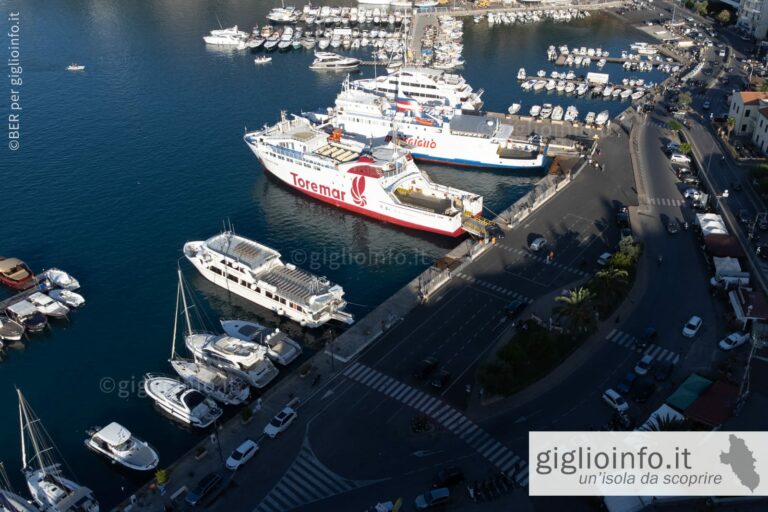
(753, 17)
(744, 109)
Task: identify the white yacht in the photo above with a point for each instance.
(333, 62)
(49, 488)
(590, 118)
(546, 110)
(61, 279)
(602, 118)
(118, 444)
(47, 306)
(70, 299)
(181, 402)
(75, 67)
(557, 113)
(226, 37)
(280, 348)
(256, 273)
(424, 85)
(514, 108)
(607, 90)
(521, 74)
(582, 89)
(535, 111)
(245, 359)
(571, 113)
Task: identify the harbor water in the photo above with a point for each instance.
(121, 164)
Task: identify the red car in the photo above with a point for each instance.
(15, 273)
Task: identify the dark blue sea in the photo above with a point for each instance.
(119, 165)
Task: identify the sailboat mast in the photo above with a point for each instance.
(175, 321)
(184, 300)
(25, 423)
(21, 430)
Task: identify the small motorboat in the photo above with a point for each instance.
(75, 67)
(10, 330)
(602, 118)
(181, 402)
(521, 74)
(15, 274)
(68, 298)
(262, 59)
(557, 113)
(280, 348)
(118, 444)
(26, 314)
(61, 279)
(535, 110)
(546, 110)
(571, 113)
(47, 306)
(514, 108)
(590, 118)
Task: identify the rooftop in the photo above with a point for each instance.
(246, 251)
(752, 97)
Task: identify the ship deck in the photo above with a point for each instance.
(419, 200)
(339, 152)
(296, 284)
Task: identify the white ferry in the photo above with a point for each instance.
(383, 183)
(435, 134)
(425, 85)
(256, 273)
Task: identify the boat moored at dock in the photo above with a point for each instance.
(15, 274)
(118, 444)
(181, 402)
(280, 348)
(256, 273)
(383, 183)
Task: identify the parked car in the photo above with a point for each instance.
(538, 244)
(706, 105)
(425, 368)
(622, 216)
(203, 488)
(691, 180)
(644, 365)
(433, 498)
(448, 477)
(692, 193)
(441, 379)
(604, 258)
(615, 400)
(280, 422)
(626, 384)
(672, 226)
(662, 370)
(515, 307)
(744, 216)
(692, 327)
(733, 340)
(679, 158)
(672, 147)
(242, 454)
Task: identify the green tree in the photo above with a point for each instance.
(701, 8)
(724, 16)
(609, 286)
(731, 124)
(630, 249)
(689, 4)
(674, 125)
(685, 148)
(577, 308)
(763, 86)
(685, 99)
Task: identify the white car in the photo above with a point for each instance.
(679, 158)
(615, 400)
(280, 422)
(692, 327)
(692, 193)
(538, 244)
(604, 258)
(733, 340)
(643, 365)
(242, 454)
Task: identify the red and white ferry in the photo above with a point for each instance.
(383, 183)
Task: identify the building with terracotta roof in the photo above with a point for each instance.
(744, 109)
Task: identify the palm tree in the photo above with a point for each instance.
(731, 124)
(668, 424)
(610, 283)
(577, 308)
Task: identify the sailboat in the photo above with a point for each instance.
(217, 384)
(10, 501)
(50, 489)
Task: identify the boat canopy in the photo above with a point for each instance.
(114, 434)
(22, 309)
(246, 251)
(7, 264)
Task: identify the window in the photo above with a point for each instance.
(746, 113)
(216, 270)
(231, 277)
(743, 127)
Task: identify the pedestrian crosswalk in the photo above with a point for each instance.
(543, 259)
(451, 419)
(663, 201)
(493, 287)
(630, 342)
(306, 481)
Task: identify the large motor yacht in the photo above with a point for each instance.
(333, 62)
